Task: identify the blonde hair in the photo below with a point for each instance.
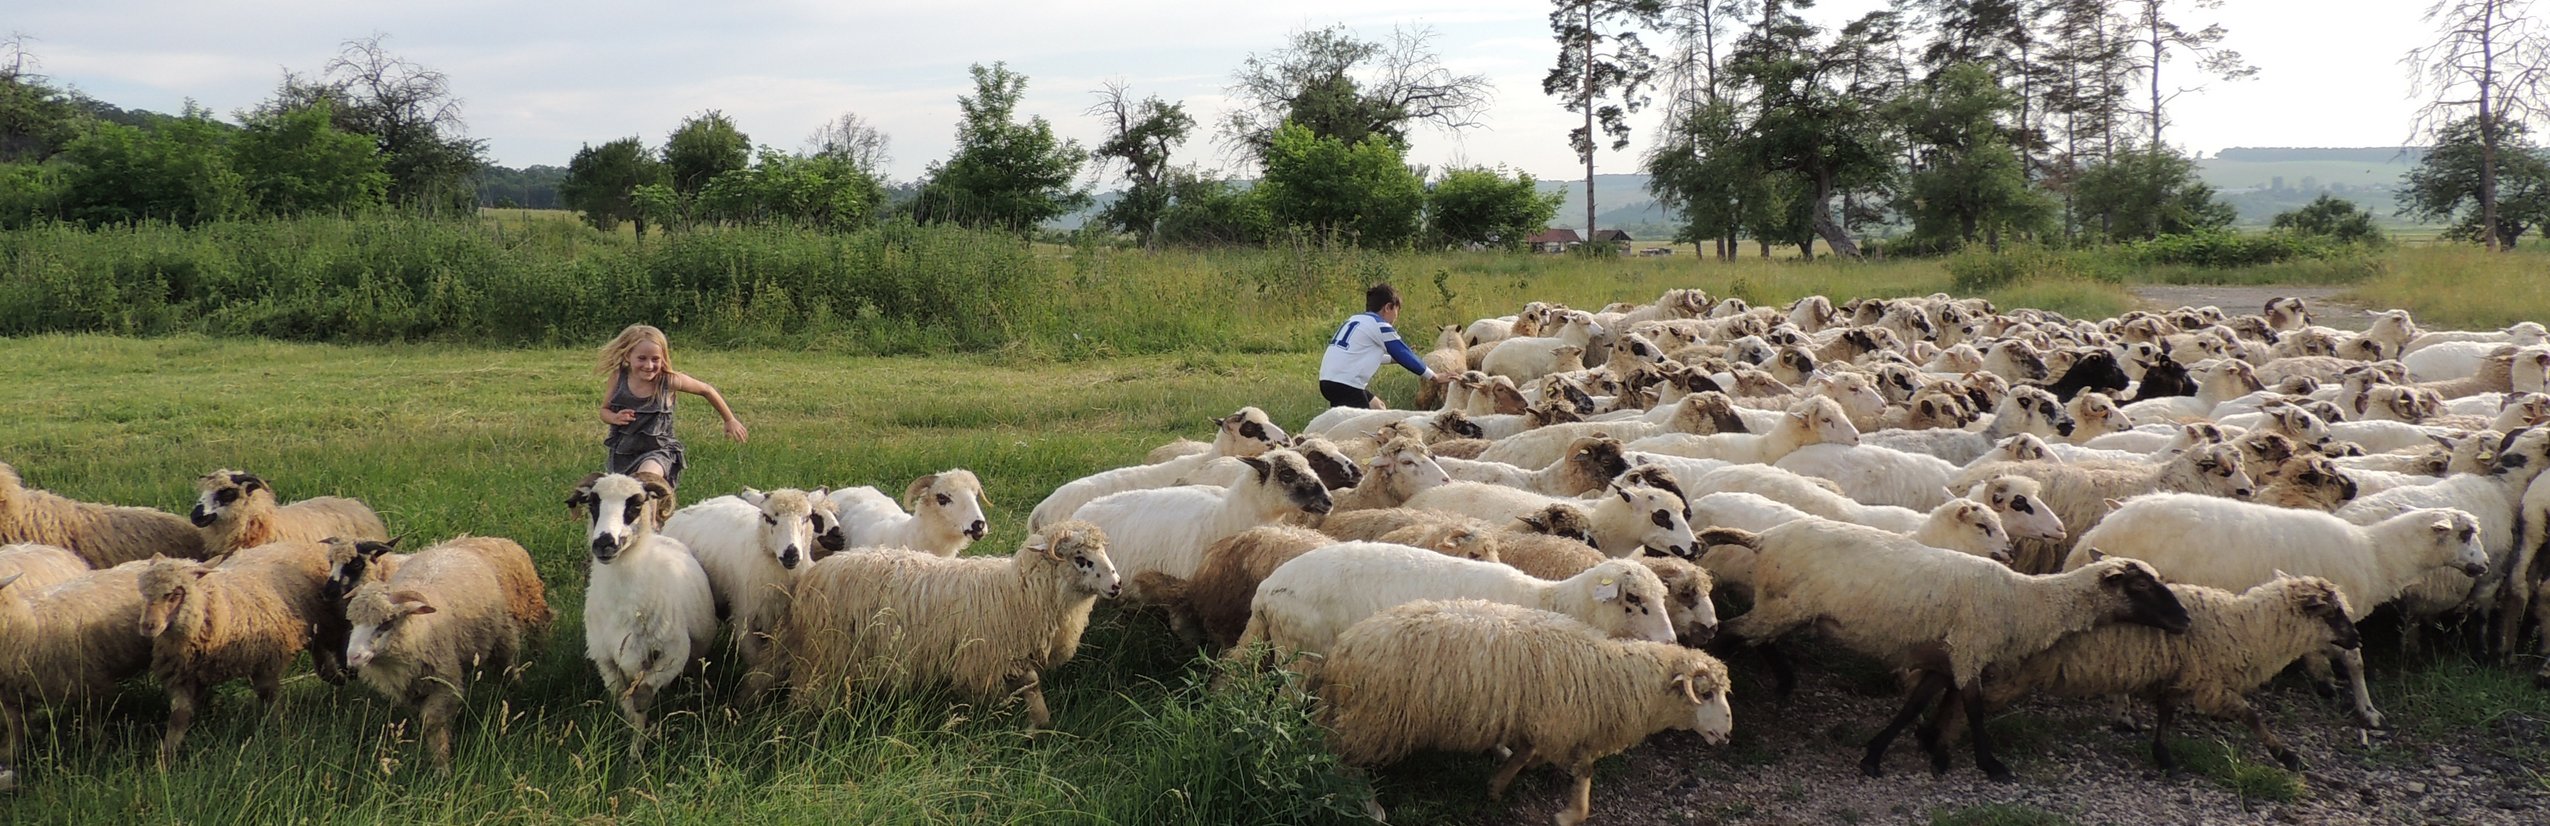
(615, 355)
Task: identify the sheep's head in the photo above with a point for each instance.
(1628, 601)
(1857, 396)
(1793, 363)
(379, 617)
(1971, 526)
(349, 561)
(2134, 593)
(1702, 683)
(166, 583)
(2455, 537)
(2099, 371)
(1687, 604)
(1560, 520)
(2097, 413)
(830, 537)
(1336, 469)
(2217, 470)
(2318, 481)
(2286, 313)
(1464, 539)
(2023, 447)
(1938, 407)
(2265, 449)
(1898, 382)
(1407, 468)
(1639, 350)
(2032, 410)
(2015, 360)
(1662, 522)
(2319, 599)
(1823, 422)
(788, 527)
(1247, 432)
(1453, 424)
(1290, 475)
(617, 511)
(220, 490)
(1596, 459)
(2300, 425)
(2020, 501)
(952, 497)
(1082, 546)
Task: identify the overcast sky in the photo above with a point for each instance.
(541, 79)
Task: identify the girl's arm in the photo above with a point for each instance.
(610, 416)
(683, 382)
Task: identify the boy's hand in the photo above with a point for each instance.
(619, 417)
(1378, 404)
(735, 430)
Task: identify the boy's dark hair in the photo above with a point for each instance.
(1381, 295)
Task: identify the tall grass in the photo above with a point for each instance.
(2463, 285)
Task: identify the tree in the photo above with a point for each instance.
(1819, 120)
(852, 138)
(825, 192)
(703, 147)
(602, 182)
(2491, 60)
(1705, 171)
(1340, 86)
(297, 161)
(2161, 36)
(1603, 77)
(1205, 211)
(409, 112)
(2086, 66)
(1004, 174)
(35, 118)
(179, 172)
(1140, 135)
(1967, 180)
(2149, 192)
(1364, 193)
(2449, 182)
(2332, 217)
(1482, 206)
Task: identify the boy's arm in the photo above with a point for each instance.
(683, 382)
(1399, 352)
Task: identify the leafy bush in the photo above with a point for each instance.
(1976, 271)
(2334, 218)
(2223, 248)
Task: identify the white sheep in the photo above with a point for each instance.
(238, 510)
(1302, 607)
(1588, 463)
(1247, 432)
(2521, 334)
(1523, 358)
(421, 635)
(2079, 493)
(65, 644)
(2205, 540)
(1816, 420)
(750, 545)
(2025, 410)
(2494, 498)
(1469, 675)
(1625, 519)
(1944, 614)
(104, 535)
(1960, 525)
(1167, 529)
(649, 615)
(1701, 413)
(941, 513)
(988, 626)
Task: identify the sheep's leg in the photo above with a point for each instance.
(633, 705)
(2275, 745)
(2514, 601)
(1032, 690)
(1983, 759)
(436, 714)
(2412, 636)
(1514, 764)
(1580, 803)
(1923, 694)
(2323, 678)
(183, 699)
(1783, 672)
(2167, 714)
(2353, 660)
(13, 727)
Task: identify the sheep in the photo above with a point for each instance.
(1816, 420)
(2079, 493)
(1523, 358)
(1214, 605)
(1400, 469)
(1302, 606)
(749, 545)
(2234, 644)
(1449, 357)
(1625, 518)
(353, 563)
(2450, 360)
(988, 626)
(2506, 369)
(1702, 413)
(945, 512)
(1587, 464)
(103, 535)
(1167, 529)
(237, 510)
(420, 635)
(2285, 314)
(2521, 334)
(1944, 614)
(2204, 540)
(2024, 410)
(1959, 525)
(2218, 381)
(2308, 482)
(1856, 393)
(2094, 415)
(246, 617)
(65, 644)
(2494, 498)
(649, 613)
(1469, 675)
(2097, 372)
(1876, 475)
(1247, 432)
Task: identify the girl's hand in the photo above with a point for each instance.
(619, 417)
(735, 430)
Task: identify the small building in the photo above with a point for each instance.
(1613, 236)
(1554, 240)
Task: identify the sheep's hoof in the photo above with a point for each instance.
(2370, 719)
(2291, 761)
(2326, 690)
(1999, 773)
(1872, 766)
(8, 781)
(1372, 809)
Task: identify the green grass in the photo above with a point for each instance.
(2223, 762)
(1996, 814)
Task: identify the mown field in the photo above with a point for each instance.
(1041, 364)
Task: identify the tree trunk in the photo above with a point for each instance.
(1588, 103)
(2488, 130)
(2151, 12)
(1833, 233)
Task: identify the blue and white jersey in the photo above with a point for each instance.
(1359, 348)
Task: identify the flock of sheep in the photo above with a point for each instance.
(2174, 506)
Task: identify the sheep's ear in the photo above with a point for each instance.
(1536, 521)
(247, 482)
(2280, 574)
(1606, 589)
(583, 488)
(2097, 555)
(820, 493)
(2443, 526)
(752, 497)
(6, 580)
(1264, 470)
(912, 492)
(1624, 494)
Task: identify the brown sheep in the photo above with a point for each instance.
(237, 511)
(105, 535)
(247, 617)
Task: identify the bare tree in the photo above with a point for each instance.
(1344, 87)
(408, 110)
(1140, 134)
(852, 138)
(2490, 56)
(2162, 36)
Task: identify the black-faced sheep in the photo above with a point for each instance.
(236, 511)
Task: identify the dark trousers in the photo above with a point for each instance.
(1339, 395)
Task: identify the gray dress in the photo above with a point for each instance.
(649, 436)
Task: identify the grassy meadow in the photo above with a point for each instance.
(407, 379)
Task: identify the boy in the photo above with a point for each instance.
(1360, 346)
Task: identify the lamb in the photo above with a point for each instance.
(1945, 615)
(1302, 606)
(749, 545)
(945, 513)
(1214, 605)
(2025, 410)
(104, 535)
(2079, 493)
(1816, 420)
(1449, 357)
(1247, 432)
(1587, 464)
(1469, 675)
(2203, 540)
(83, 645)
(649, 614)
(420, 635)
(1524, 358)
(1625, 518)
(2234, 644)
(238, 510)
(247, 617)
(988, 626)
(1167, 529)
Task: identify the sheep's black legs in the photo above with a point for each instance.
(2275, 745)
(2168, 720)
(1983, 758)
(1927, 690)
(1783, 672)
